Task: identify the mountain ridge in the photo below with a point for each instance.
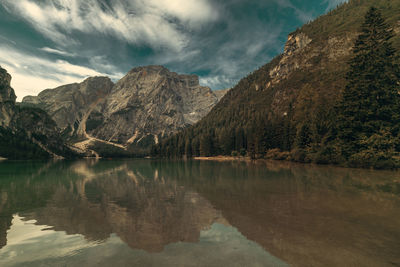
(288, 104)
(26, 132)
(148, 103)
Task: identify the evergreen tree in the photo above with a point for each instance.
(206, 146)
(370, 102)
(188, 148)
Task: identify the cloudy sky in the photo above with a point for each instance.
(47, 43)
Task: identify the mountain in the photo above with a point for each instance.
(152, 102)
(146, 104)
(7, 98)
(290, 103)
(71, 105)
(26, 132)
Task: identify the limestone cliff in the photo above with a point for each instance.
(311, 64)
(7, 98)
(290, 101)
(146, 104)
(70, 105)
(26, 132)
(153, 102)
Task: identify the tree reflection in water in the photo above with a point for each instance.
(305, 215)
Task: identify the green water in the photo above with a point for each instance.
(175, 213)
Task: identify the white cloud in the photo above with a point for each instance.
(216, 81)
(101, 64)
(235, 59)
(57, 52)
(5, 39)
(191, 11)
(157, 23)
(31, 74)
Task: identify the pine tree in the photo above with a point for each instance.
(370, 102)
(188, 148)
(206, 146)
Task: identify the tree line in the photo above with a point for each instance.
(360, 128)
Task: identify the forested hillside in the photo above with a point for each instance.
(291, 108)
(27, 132)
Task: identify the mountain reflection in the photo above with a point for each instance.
(304, 215)
(145, 211)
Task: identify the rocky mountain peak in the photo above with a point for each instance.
(147, 103)
(147, 75)
(291, 59)
(7, 94)
(296, 42)
(148, 69)
(70, 105)
(298, 89)
(152, 101)
(96, 84)
(31, 130)
(7, 98)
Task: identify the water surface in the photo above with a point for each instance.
(176, 213)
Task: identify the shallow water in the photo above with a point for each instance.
(176, 213)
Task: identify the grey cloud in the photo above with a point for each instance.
(148, 22)
(221, 41)
(57, 52)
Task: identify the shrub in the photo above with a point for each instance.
(372, 158)
(327, 155)
(277, 154)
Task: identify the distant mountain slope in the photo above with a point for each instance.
(148, 103)
(26, 133)
(71, 105)
(153, 102)
(7, 98)
(292, 98)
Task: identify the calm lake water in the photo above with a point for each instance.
(175, 213)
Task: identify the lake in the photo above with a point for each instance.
(196, 213)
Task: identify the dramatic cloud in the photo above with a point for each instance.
(32, 74)
(152, 22)
(57, 52)
(50, 42)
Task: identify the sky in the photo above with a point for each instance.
(48, 43)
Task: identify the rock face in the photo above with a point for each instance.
(290, 61)
(277, 105)
(32, 131)
(146, 104)
(153, 102)
(7, 98)
(70, 105)
(305, 60)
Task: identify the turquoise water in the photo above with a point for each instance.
(192, 213)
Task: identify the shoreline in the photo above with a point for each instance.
(284, 161)
(222, 158)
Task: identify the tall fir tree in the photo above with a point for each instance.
(370, 102)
